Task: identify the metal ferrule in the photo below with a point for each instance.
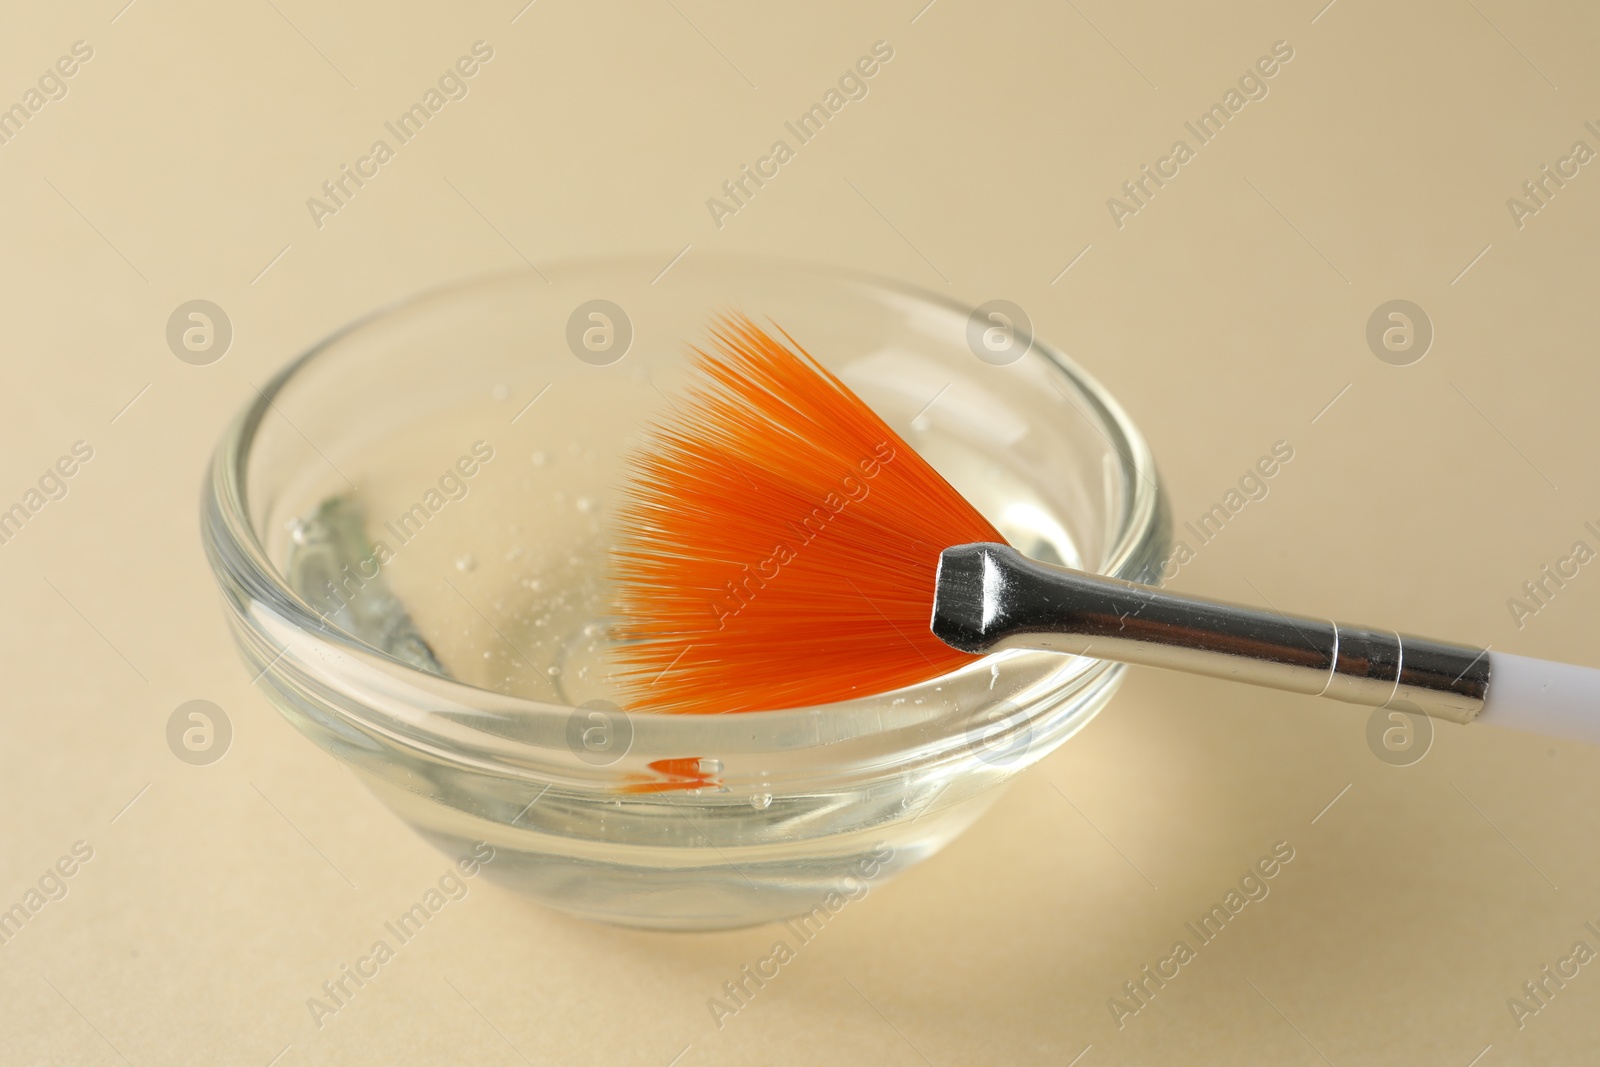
(990, 597)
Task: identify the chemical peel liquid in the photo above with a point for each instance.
(476, 544)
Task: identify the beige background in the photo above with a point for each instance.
(1226, 315)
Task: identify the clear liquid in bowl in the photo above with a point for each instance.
(498, 578)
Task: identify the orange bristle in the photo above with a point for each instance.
(780, 542)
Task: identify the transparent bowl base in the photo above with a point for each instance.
(707, 892)
(711, 879)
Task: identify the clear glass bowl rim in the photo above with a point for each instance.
(243, 567)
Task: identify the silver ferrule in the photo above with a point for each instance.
(991, 597)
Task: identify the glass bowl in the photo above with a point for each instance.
(410, 526)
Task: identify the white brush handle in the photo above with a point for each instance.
(1537, 696)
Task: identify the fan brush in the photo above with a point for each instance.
(783, 547)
